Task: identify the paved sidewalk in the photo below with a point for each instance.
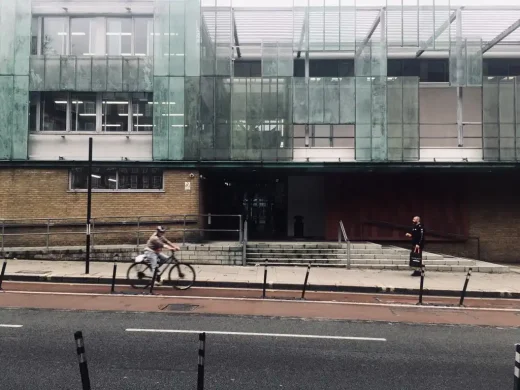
(321, 279)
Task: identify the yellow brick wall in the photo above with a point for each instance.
(44, 193)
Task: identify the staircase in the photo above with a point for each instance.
(363, 255)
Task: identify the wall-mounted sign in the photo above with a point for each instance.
(187, 186)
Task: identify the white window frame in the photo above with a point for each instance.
(152, 190)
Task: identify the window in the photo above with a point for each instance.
(115, 111)
(55, 36)
(54, 111)
(82, 36)
(34, 36)
(142, 111)
(248, 68)
(83, 111)
(127, 36)
(87, 111)
(118, 179)
(143, 38)
(119, 36)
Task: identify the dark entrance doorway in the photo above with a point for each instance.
(261, 198)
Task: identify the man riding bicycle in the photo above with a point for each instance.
(154, 247)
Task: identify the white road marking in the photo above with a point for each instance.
(10, 326)
(402, 305)
(299, 336)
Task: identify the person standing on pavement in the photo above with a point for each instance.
(417, 235)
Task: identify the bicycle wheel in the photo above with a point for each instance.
(182, 276)
(139, 275)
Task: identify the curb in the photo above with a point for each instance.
(281, 286)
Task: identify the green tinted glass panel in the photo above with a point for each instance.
(160, 118)
(176, 118)
(99, 73)
(6, 116)
(84, 74)
(20, 127)
(130, 74)
(37, 73)
(68, 73)
(114, 74)
(52, 73)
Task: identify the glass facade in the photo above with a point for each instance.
(306, 81)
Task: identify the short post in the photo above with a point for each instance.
(463, 294)
(114, 271)
(244, 245)
(422, 286)
(138, 232)
(240, 231)
(184, 230)
(2, 273)
(202, 355)
(265, 279)
(83, 368)
(517, 367)
(47, 234)
(306, 280)
(153, 279)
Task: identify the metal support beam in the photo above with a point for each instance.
(235, 33)
(501, 36)
(307, 72)
(460, 125)
(304, 32)
(369, 35)
(437, 33)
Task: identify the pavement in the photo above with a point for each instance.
(289, 278)
(158, 350)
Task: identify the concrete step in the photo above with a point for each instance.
(401, 267)
(360, 261)
(306, 255)
(313, 245)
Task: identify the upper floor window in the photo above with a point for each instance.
(86, 36)
(86, 111)
(55, 36)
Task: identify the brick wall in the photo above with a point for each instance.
(486, 205)
(39, 193)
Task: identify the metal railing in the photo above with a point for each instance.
(244, 244)
(342, 236)
(432, 233)
(30, 228)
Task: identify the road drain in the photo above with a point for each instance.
(179, 307)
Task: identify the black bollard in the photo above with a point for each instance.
(153, 280)
(463, 294)
(202, 355)
(265, 279)
(422, 286)
(113, 289)
(305, 282)
(83, 369)
(517, 367)
(2, 273)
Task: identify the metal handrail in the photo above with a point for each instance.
(433, 233)
(99, 222)
(342, 234)
(244, 244)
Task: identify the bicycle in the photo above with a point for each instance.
(140, 274)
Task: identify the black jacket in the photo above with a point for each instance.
(418, 235)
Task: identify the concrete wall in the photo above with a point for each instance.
(307, 198)
(105, 146)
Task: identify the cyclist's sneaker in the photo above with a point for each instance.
(158, 281)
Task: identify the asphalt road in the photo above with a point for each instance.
(41, 354)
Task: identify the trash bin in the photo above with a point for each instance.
(298, 226)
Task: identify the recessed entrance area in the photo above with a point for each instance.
(277, 205)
